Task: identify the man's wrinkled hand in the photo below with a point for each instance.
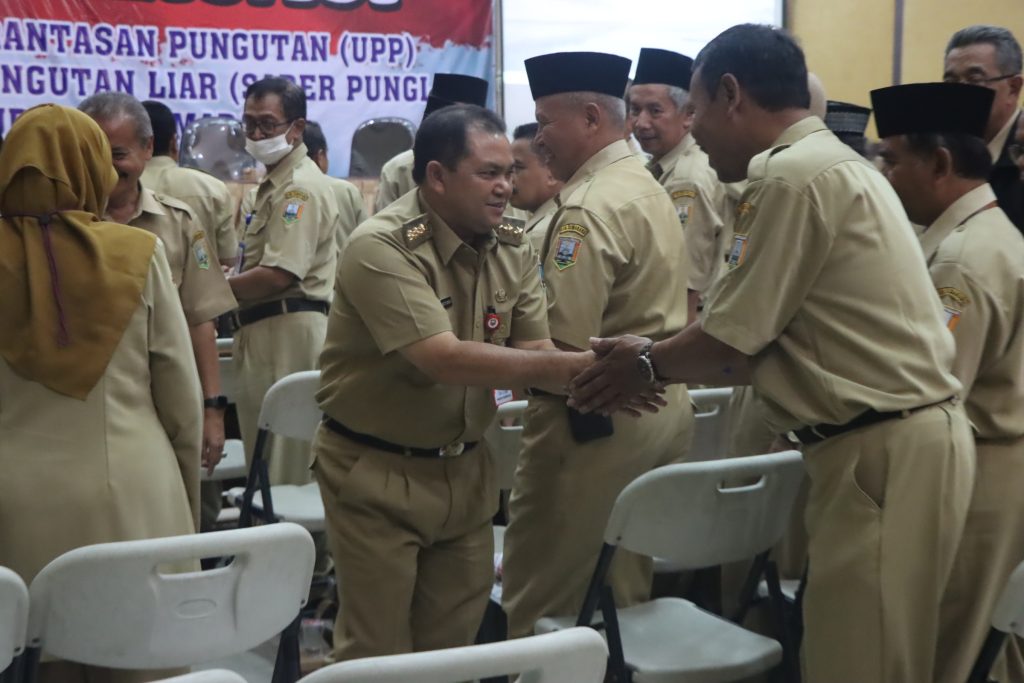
(614, 382)
(213, 438)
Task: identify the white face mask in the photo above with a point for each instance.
(269, 151)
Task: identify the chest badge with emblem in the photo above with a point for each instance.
(500, 296)
(570, 242)
(199, 250)
(492, 321)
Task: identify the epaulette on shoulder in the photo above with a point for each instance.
(511, 231)
(174, 203)
(416, 232)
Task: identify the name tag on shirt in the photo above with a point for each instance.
(502, 396)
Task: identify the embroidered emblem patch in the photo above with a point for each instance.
(683, 194)
(953, 303)
(684, 214)
(567, 252)
(293, 211)
(296, 194)
(199, 250)
(738, 251)
(570, 241)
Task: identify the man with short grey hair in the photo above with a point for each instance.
(613, 241)
(658, 102)
(202, 288)
(991, 56)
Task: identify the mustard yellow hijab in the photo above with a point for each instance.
(69, 283)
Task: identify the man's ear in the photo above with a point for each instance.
(435, 177)
(729, 89)
(942, 163)
(592, 114)
(1015, 85)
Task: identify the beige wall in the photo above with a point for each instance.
(850, 44)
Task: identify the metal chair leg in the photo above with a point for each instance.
(286, 668)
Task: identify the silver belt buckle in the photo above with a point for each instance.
(452, 450)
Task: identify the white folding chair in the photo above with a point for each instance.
(711, 415)
(13, 621)
(113, 605)
(289, 409)
(575, 655)
(208, 676)
(232, 465)
(1007, 618)
(504, 441)
(689, 514)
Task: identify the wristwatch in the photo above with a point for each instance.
(645, 364)
(219, 402)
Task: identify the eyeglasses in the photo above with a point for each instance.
(265, 126)
(976, 79)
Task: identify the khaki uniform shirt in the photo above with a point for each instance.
(209, 199)
(395, 180)
(406, 276)
(976, 259)
(700, 202)
(294, 226)
(202, 287)
(614, 260)
(827, 289)
(350, 205)
(537, 224)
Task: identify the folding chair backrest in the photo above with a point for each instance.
(702, 514)
(575, 655)
(711, 415)
(13, 616)
(505, 441)
(110, 605)
(208, 676)
(290, 408)
(1008, 615)
(228, 384)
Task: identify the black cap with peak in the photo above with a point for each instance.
(561, 72)
(449, 89)
(932, 108)
(663, 67)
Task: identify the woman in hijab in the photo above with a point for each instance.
(100, 405)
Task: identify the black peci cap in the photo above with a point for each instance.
(932, 108)
(663, 67)
(846, 117)
(449, 89)
(561, 72)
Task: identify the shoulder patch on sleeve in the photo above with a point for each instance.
(684, 194)
(296, 195)
(954, 301)
(416, 232)
(511, 231)
(570, 243)
(199, 250)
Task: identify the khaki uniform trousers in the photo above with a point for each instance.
(991, 548)
(412, 544)
(264, 352)
(885, 514)
(561, 500)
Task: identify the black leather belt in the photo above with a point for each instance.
(534, 391)
(451, 450)
(819, 432)
(279, 307)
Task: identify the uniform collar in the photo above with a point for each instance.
(758, 167)
(445, 240)
(955, 215)
(282, 173)
(543, 210)
(672, 157)
(160, 163)
(616, 151)
(995, 147)
(147, 204)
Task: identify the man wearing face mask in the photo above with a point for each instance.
(287, 261)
